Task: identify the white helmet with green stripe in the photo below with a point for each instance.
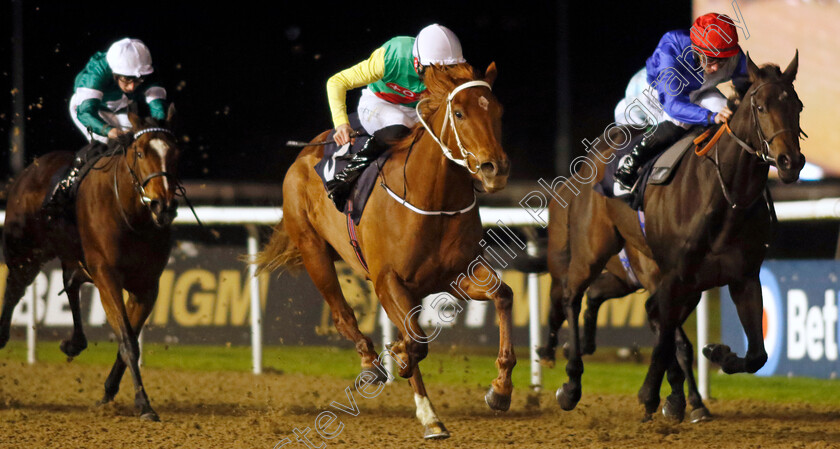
(129, 57)
(437, 44)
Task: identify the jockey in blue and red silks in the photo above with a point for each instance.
(682, 73)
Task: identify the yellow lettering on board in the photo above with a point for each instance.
(234, 300)
(164, 299)
(201, 301)
(4, 273)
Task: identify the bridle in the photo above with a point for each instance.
(764, 152)
(139, 185)
(449, 117)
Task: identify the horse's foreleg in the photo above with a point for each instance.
(400, 307)
(433, 428)
(667, 318)
(129, 349)
(72, 284)
(747, 298)
(484, 284)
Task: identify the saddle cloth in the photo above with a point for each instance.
(336, 158)
(658, 171)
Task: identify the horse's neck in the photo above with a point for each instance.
(434, 182)
(743, 173)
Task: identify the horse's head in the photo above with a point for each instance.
(469, 120)
(774, 109)
(153, 163)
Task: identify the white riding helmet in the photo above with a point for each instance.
(437, 44)
(129, 57)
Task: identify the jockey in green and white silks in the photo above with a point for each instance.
(109, 83)
(393, 76)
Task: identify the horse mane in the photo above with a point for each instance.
(439, 80)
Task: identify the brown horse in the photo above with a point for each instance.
(707, 228)
(410, 254)
(613, 282)
(118, 237)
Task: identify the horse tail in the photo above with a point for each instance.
(280, 253)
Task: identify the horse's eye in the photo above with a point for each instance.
(459, 115)
(760, 108)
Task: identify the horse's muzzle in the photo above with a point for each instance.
(789, 168)
(163, 212)
(494, 174)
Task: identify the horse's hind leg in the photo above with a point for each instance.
(556, 317)
(319, 265)
(22, 271)
(73, 280)
(606, 286)
(685, 357)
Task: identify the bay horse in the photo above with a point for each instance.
(613, 282)
(118, 237)
(707, 228)
(410, 253)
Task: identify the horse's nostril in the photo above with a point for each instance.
(784, 161)
(489, 168)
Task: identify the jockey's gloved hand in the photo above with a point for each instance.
(125, 139)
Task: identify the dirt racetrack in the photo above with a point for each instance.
(52, 406)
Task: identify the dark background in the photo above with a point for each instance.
(248, 76)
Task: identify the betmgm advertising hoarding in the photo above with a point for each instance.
(204, 298)
(801, 329)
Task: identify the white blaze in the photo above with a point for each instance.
(161, 147)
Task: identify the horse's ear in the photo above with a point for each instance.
(170, 116)
(136, 121)
(792, 68)
(490, 74)
(752, 69)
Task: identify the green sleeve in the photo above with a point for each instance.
(158, 109)
(88, 115)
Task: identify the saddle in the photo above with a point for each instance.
(64, 184)
(657, 171)
(336, 158)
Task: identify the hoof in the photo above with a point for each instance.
(648, 417)
(379, 375)
(568, 401)
(699, 415)
(71, 348)
(436, 431)
(588, 348)
(150, 416)
(673, 411)
(547, 356)
(104, 401)
(715, 352)
(497, 401)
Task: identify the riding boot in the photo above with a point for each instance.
(627, 173)
(339, 187)
(61, 195)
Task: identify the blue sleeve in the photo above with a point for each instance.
(741, 79)
(671, 84)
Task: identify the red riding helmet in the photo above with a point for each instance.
(715, 36)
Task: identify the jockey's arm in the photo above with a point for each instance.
(361, 74)
(88, 114)
(676, 101)
(156, 99)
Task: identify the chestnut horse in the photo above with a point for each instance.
(410, 253)
(709, 227)
(119, 238)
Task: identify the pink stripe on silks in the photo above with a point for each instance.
(642, 222)
(351, 229)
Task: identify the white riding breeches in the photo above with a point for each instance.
(376, 113)
(116, 119)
